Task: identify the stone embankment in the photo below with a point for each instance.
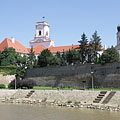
(68, 98)
(6, 79)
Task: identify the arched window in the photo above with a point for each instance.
(39, 32)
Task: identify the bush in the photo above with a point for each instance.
(76, 103)
(22, 84)
(69, 101)
(28, 84)
(12, 84)
(2, 86)
(8, 70)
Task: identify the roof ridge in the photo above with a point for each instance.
(66, 46)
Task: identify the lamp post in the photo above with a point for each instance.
(15, 81)
(92, 81)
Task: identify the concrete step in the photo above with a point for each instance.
(95, 101)
(100, 97)
(103, 92)
(29, 94)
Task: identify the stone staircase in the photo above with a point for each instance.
(30, 93)
(100, 96)
(19, 94)
(108, 98)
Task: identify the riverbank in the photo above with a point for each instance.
(63, 98)
(74, 105)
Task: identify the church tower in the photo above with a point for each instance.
(42, 36)
(118, 39)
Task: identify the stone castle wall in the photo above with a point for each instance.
(107, 75)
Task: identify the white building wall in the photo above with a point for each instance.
(45, 44)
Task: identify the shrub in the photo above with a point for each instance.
(28, 84)
(76, 103)
(69, 101)
(12, 84)
(2, 86)
(22, 84)
(8, 70)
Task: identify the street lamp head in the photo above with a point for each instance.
(92, 72)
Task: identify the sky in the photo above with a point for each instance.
(68, 20)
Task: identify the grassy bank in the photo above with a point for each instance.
(57, 88)
(8, 70)
(50, 88)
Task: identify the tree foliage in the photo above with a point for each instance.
(83, 47)
(31, 58)
(8, 57)
(73, 56)
(21, 66)
(95, 46)
(47, 59)
(43, 58)
(110, 55)
(29, 84)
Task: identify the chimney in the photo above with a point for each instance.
(13, 39)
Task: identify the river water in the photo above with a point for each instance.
(37, 112)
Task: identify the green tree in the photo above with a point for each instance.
(95, 46)
(54, 61)
(1, 56)
(90, 53)
(64, 59)
(110, 55)
(43, 58)
(83, 47)
(31, 58)
(21, 66)
(8, 57)
(72, 56)
(58, 55)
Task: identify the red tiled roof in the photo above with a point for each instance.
(16, 45)
(62, 48)
(38, 49)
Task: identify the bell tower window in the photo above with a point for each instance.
(39, 32)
